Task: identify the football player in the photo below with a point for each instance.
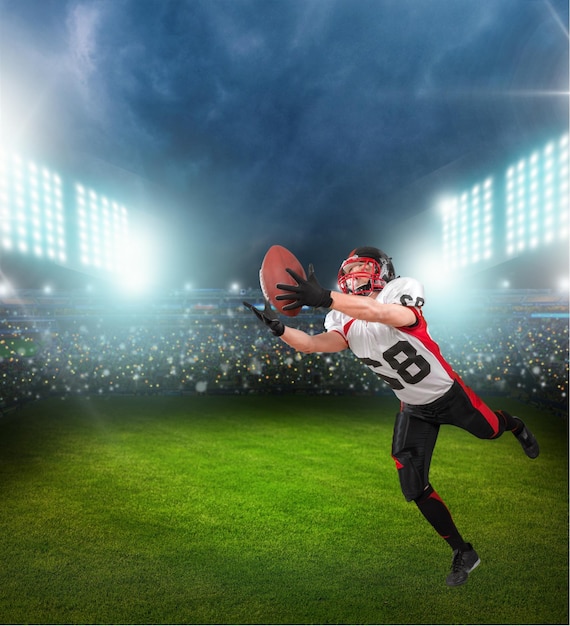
(379, 317)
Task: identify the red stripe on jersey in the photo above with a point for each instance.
(420, 331)
(347, 326)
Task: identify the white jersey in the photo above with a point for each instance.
(406, 358)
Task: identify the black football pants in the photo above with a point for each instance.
(417, 427)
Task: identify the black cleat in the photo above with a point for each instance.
(463, 563)
(528, 441)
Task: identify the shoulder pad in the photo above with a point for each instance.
(405, 291)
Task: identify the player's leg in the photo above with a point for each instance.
(464, 408)
(521, 431)
(412, 448)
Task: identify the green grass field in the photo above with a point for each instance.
(260, 510)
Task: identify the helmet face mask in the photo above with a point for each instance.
(375, 271)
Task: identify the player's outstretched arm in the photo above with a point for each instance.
(323, 342)
(297, 339)
(369, 310)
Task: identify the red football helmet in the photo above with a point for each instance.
(373, 277)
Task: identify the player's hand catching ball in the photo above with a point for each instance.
(268, 317)
(305, 292)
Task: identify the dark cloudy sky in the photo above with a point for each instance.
(243, 123)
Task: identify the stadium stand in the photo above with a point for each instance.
(206, 342)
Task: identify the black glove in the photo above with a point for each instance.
(268, 317)
(305, 292)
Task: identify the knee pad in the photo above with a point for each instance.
(411, 482)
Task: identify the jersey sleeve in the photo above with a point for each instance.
(335, 321)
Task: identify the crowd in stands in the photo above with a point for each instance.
(65, 347)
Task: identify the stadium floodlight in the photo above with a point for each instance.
(102, 229)
(536, 205)
(31, 200)
(449, 214)
(538, 196)
(467, 225)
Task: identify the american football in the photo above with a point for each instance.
(274, 270)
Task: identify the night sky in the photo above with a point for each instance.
(226, 126)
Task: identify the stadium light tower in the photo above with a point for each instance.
(467, 222)
(503, 217)
(47, 218)
(537, 199)
(102, 229)
(32, 219)
(109, 244)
